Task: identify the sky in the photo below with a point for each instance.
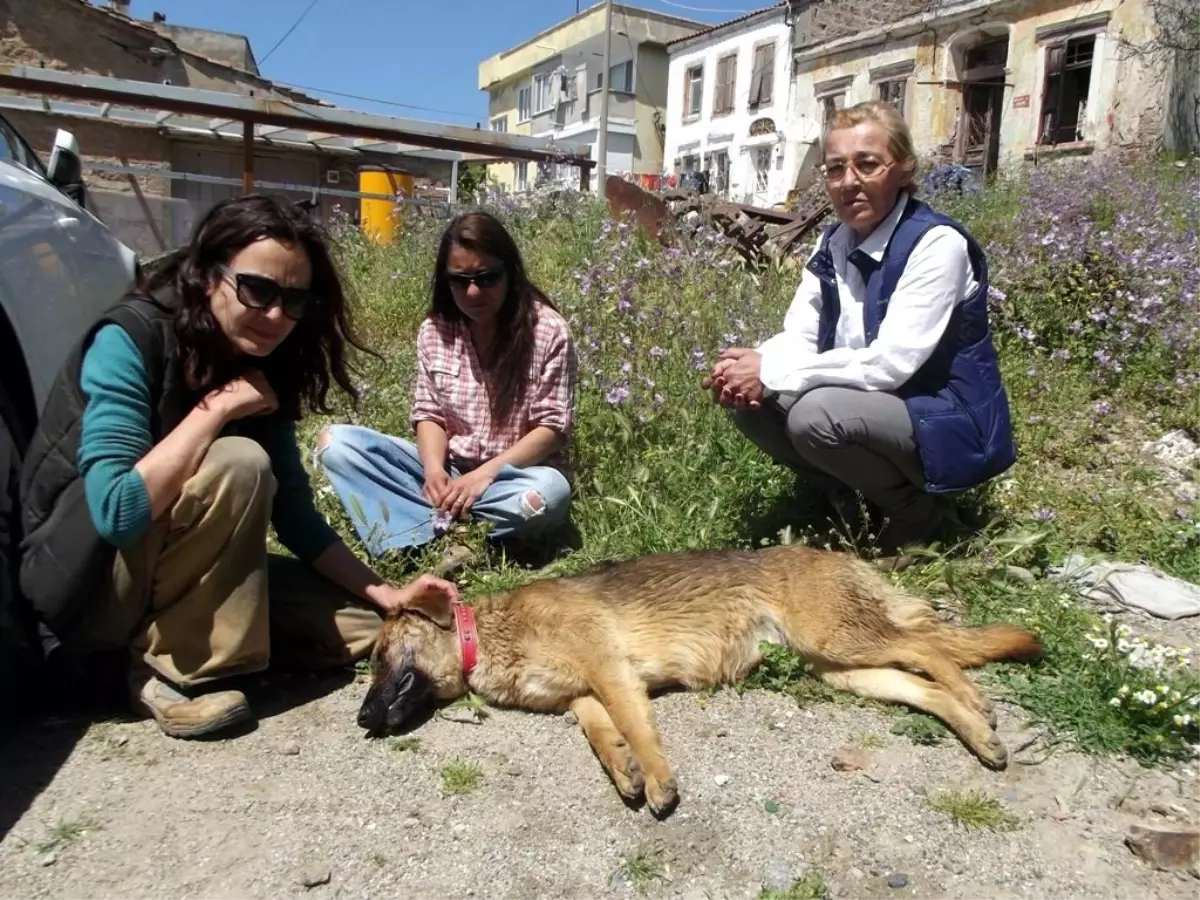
(392, 51)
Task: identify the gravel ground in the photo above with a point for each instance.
(306, 798)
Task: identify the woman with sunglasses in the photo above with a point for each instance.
(492, 409)
(884, 380)
(166, 450)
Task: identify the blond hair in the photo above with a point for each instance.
(899, 138)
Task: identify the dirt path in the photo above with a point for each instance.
(305, 796)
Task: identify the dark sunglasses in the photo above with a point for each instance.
(484, 278)
(259, 292)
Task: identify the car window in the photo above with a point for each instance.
(13, 146)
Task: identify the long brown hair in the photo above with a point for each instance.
(507, 365)
(300, 368)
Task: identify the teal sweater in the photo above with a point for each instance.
(116, 434)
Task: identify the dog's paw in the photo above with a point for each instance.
(994, 754)
(662, 796)
(989, 712)
(627, 775)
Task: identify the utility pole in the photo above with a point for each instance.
(602, 143)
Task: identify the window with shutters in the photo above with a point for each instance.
(893, 92)
(1065, 90)
(693, 91)
(762, 76)
(723, 90)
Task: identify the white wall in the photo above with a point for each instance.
(730, 132)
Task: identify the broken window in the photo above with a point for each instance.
(723, 91)
(693, 91)
(718, 162)
(762, 76)
(1065, 91)
(830, 104)
(893, 92)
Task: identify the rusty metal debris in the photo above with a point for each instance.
(759, 234)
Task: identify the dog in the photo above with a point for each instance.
(601, 642)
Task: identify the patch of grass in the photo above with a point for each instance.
(378, 858)
(870, 741)
(921, 729)
(461, 777)
(404, 744)
(973, 809)
(811, 887)
(1098, 355)
(642, 867)
(65, 833)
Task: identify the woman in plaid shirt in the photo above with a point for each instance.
(492, 408)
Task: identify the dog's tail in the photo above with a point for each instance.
(970, 647)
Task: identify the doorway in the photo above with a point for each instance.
(982, 106)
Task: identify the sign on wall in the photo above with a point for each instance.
(1021, 101)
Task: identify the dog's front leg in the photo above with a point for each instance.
(610, 746)
(624, 697)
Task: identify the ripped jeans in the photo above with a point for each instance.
(379, 480)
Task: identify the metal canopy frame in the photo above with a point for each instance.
(224, 114)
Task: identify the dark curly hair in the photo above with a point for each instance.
(300, 368)
(507, 365)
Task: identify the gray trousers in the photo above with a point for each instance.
(836, 435)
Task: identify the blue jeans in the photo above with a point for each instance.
(379, 480)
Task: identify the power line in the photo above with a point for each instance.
(707, 8)
(380, 101)
(287, 33)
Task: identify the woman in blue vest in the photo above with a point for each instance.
(166, 451)
(884, 380)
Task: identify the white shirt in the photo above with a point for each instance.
(936, 279)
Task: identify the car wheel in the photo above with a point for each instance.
(18, 633)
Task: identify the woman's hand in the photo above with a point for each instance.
(390, 598)
(246, 395)
(437, 482)
(734, 380)
(464, 491)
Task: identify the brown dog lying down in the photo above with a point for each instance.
(600, 642)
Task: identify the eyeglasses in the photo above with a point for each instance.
(261, 293)
(865, 167)
(484, 278)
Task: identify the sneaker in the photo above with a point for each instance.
(180, 716)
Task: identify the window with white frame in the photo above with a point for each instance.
(762, 76)
(693, 90)
(524, 104)
(542, 100)
(718, 162)
(762, 168)
(500, 123)
(620, 77)
(521, 176)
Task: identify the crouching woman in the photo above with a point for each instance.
(166, 450)
(493, 409)
(884, 380)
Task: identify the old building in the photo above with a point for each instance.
(995, 84)
(550, 85)
(727, 106)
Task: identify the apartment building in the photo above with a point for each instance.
(550, 86)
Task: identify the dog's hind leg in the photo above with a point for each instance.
(929, 696)
(610, 747)
(628, 704)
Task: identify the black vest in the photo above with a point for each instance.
(64, 562)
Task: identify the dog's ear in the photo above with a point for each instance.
(433, 605)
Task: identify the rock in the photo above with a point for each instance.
(1175, 449)
(898, 881)
(722, 732)
(1020, 575)
(315, 875)
(290, 749)
(851, 759)
(570, 718)
(721, 780)
(121, 740)
(777, 876)
(48, 860)
(1168, 847)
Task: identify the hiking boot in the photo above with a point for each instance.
(453, 558)
(180, 716)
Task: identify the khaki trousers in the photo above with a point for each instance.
(198, 598)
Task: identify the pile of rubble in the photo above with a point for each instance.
(759, 234)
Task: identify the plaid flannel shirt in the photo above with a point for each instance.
(452, 392)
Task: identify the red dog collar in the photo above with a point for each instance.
(468, 638)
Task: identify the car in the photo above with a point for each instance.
(60, 268)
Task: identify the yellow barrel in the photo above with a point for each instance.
(381, 218)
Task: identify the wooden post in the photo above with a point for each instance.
(248, 157)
